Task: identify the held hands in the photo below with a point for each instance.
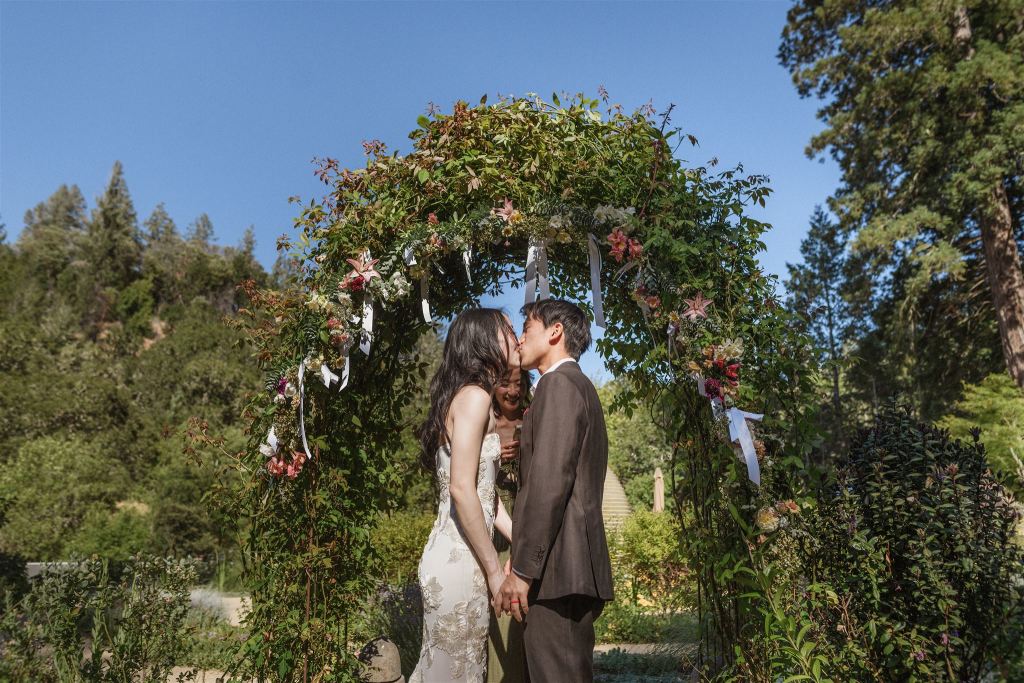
(511, 597)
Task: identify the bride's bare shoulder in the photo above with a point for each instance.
(471, 398)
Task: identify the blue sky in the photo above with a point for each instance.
(219, 107)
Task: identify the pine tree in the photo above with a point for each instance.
(54, 233)
(160, 226)
(814, 288)
(922, 107)
(201, 230)
(115, 245)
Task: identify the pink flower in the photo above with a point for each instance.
(506, 211)
(363, 268)
(713, 389)
(275, 466)
(635, 249)
(282, 384)
(354, 283)
(653, 301)
(432, 218)
(334, 324)
(696, 307)
(619, 242)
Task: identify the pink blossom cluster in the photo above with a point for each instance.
(623, 246)
(278, 466)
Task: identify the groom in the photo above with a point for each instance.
(561, 574)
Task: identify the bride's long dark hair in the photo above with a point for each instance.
(475, 353)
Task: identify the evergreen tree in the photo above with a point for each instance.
(201, 230)
(160, 226)
(922, 108)
(115, 246)
(54, 233)
(814, 293)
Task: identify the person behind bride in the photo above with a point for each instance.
(460, 569)
(505, 655)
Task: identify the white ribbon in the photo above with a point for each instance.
(467, 255)
(366, 336)
(594, 252)
(302, 408)
(344, 374)
(409, 256)
(424, 291)
(269, 447)
(328, 376)
(536, 271)
(542, 270)
(739, 431)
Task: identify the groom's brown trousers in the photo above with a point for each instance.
(559, 639)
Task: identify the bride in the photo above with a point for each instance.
(460, 567)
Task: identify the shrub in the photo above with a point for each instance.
(918, 545)
(131, 627)
(399, 540)
(648, 561)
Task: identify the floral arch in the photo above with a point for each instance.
(590, 200)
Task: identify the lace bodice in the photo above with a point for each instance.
(486, 477)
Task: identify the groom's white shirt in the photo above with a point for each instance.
(554, 365)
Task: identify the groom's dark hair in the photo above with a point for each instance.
(575, 324)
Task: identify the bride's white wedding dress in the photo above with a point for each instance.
(456, 604)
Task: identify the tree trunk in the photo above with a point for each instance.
(1006, 280)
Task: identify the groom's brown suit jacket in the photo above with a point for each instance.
(558, 536)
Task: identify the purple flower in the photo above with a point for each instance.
(281, 384)
(919, 655)
(944, 638)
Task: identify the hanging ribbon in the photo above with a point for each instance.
(594, 252)
(366, 336)
(739, 431)
(424, 291)
(409, 256)
(531, 272)
(302, 408)
(467, 255)
(536, 271)
(330, 377)
(542, 271)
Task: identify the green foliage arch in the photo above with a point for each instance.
(489, 180)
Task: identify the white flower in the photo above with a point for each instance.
(290, 390)
(400, 286)
(558, 222)
(269, 447)
(279, 399)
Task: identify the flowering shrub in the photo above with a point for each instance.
(135, 619)
(917, 544)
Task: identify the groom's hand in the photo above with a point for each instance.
(512, 596)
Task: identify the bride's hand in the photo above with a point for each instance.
(494, 582)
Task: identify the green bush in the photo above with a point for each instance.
(917, 545)
(648, 562)
(49, 487)
(131, 627)
(113, 534)
(399, 540)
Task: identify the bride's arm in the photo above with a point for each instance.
(470, 412)
(502, 522)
